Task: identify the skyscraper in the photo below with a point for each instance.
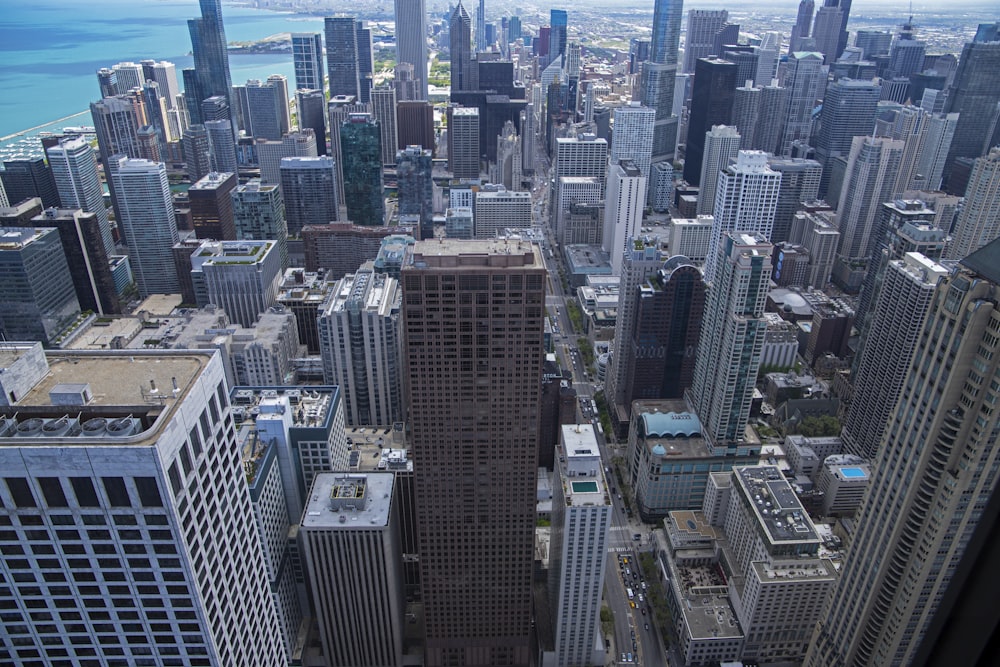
(633, 138)
(197, 152)
(803, 24)
(259, 215)
(667, 15)
(799, 183)
(221, 146)
(481, 27)
(308, 186)
(460, 27)
(559, 22)
(241, 277)
(474, 464)
(144, 209)
(722, 143)
(826, 30)
(348, 57)
(414, 176)
(979, 220)
(212, 206)
(116, 126)
(361, 346)
(384, 113)
(463, 142)
(871, 175)
(905, 294)
(732, 339)
(40, 303)
(307, 58)
(806, 79)
(295, 144)
(311, 107)
(936, 471)
(660, 356)
(711, 104)
(848, 111)
(973, 95)
(146, 474)
(29, 177)
(702, 27)
(361, 155)
(343, 557)
(624, 203)
(211, 59)
(263, 107)
(657, 90)
(581, 521)
(411, 40)
(745, 202)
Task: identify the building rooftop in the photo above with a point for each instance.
(473, 254)
(141, 387)
(211, 181)
(311, 405)
(775, 504)
(349, 501)
(670, 429)
(18, 238)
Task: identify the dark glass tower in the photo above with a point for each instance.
(558, 21)
(361, 152)
(349, 57)
(712, 100)
(460, 30)
(211, 57)
(416, 186)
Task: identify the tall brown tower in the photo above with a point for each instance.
(473, 313)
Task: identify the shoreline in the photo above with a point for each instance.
(37, 128)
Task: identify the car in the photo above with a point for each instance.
(632, 604)
(628, 571)
(644, 585)
(637, 537)
(623, 657)
(643, 611)
(629, 658)
(647, 625)
(641, 599)
(633, 634)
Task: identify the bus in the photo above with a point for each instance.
(630, 594)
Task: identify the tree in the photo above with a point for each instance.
(819, 427)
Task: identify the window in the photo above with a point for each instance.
(117, 493)
(53, 491)
(149, 494)
(21, 492)
(86, 495)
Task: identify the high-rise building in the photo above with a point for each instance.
(197, 152)
(803, 25)
(415, 124)
(871, 176)
(361, 156)
(115, 124)
(460, 31)
(28, 177)
(361, 346)
(722, 143)
(351, 542)
(712, 100)
(221, 146)
(83, 245)
(311, 107)
(633, 137)
(474, 464)
(338, 109)
(211, 61)
(806, 81)
(558, 37)
(135, 471)
(732, 339)
(407, 87)
(584, 155)
(702, 26)
(978, 222)
(307, 58)
(295, 144)
(848, 111)
(936, 471)
(414, 178)
(746, 114)
(660, 356)
(624, 204)
(973, 95)
(657, 85)
(745, 202)
(384, 113)
(74, 169)
(581, 526)
(259, 215)
(496, 209)
(667, 15)
(799, 183)
(241, 277)
(144, 210)
(463, 142)
(826, 30)
(308, 186)
(411, 41)
(575, 190)
(934, 151)
(40, 302)
(898, 313)
(349, 57)
(164, 73)
(262, 107)
(212, 206)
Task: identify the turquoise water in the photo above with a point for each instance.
(50, 50)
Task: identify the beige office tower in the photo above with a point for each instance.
(351, 542)
(935, 474)
(473, 315)
(127, 533)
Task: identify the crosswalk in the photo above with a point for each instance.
(619, 550)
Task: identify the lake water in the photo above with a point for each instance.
(50, 50)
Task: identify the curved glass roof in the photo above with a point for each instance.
(671, 424)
